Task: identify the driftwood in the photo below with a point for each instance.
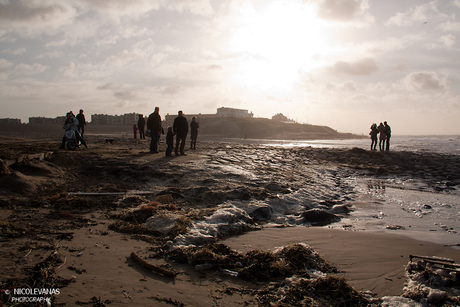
(152, 267)
(442, 263)
(431, 258)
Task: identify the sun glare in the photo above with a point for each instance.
(277, 43)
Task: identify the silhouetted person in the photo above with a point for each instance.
(194, 125)
(154, 125)
(169, 142)
(141, 126)
(382, 136)
(388, 135)
(373, 134)
(135, 131)
(81, 122)
(180, 128)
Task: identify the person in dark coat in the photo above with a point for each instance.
(81, 122)
(382, 136)
(194, 125)
(141, 126)
(154, 125)
(180, 128)
(388, 135)
(374, 132)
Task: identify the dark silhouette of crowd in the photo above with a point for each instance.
(179, 129)
(383, 131)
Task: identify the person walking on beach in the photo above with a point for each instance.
(373, 134)
(154, 125)
(135, 131)
(180, 128)
(388, 128)
(81, 122)
(194, 125)
(382, 136)
(141, 126)
(169, 142)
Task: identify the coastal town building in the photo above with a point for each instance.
(46, 120)
(10, 121)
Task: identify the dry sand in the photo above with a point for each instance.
(34, 199)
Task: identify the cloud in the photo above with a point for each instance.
(359, 68)
(171, 90)
(34, 17)
(344, 10)
(26, 69)
(425, 80)
(120, 8)
(107, 86)
(450, 26)
(15, 51)
(448, 40)
(124, 95)
(215, 67)
(423, 13)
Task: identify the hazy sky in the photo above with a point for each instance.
(339, 63)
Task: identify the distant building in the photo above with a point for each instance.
(279, 117)
(47, 120)
(223, 112)
(127, 119)
(10, 121)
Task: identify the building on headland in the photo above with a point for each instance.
(10, 121)
(282, 118)
(223, 112)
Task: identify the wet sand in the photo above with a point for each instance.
(37, 195)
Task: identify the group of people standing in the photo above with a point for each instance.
(76, 124)
(179, 129)
(384, 134)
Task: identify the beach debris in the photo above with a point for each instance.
(395, 227)
(432, 281)
(225, 221)
(229, 273)
(170, 301)
(319, 217)
(255, 265)
(152, 267)
(300, 291)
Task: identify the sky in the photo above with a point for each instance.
(340, 63)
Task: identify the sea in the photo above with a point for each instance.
(446, 144)
(398, 205)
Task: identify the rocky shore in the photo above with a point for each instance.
(71, 211)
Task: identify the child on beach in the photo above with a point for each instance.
(135, 131)
(169, 142)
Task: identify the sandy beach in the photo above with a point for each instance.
(77, 217)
